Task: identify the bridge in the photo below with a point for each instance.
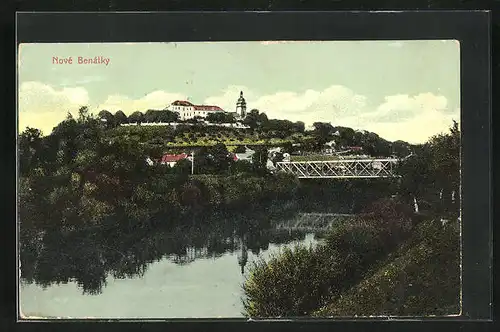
(341, 169)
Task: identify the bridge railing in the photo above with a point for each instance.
(343, 168)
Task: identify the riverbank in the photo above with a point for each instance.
(383, 266)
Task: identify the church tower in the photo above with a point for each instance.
(241, 106)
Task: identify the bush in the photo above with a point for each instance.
(290, 284)
(299, 281)
(421, 278)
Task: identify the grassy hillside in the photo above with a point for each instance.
(183, 136)
(422, 278)
(192, 136)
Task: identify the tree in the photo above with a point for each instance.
(195, 120)
(219, 157)
(262, 118)
(321, 132)
(120, 118)
(220, 117)
(168, 116)
(241, 166)
(107, 118)
(240, 149)
(259, 159)
(151, 116)
(30, 144)
(106, 115)
(400, 148)
(182, 167)
(278, 156)
(253, 119)
(433, 173)
(299, 127)
(136, 117)
(445, 167)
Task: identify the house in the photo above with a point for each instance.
(329, 147)
(247, 155)
(172, 159)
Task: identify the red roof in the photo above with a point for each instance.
(168, 158)
(208, 108)
(182, 103)
(233, 156)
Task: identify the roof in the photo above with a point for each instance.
(167, 158)
(233, 156)
(208, 108)
(198, 107)
(182, 103)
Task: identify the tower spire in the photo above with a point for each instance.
(241, 106)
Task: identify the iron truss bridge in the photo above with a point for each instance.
(341, 169)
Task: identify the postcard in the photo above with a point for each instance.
(263, 179)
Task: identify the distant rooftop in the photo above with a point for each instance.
(208, 108)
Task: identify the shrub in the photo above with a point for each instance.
(301, 280)
(289, 284)
(421, 278)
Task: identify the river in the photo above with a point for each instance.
(197, 277)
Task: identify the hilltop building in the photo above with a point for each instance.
(188, 110)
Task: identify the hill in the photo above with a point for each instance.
(291, 136)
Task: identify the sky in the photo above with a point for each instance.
(401, 90)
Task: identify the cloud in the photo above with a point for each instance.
(155, 100)
(417, 129)
(311, 106)
(399, 117)
(413, 118)
(307, 106)
(43, 107)
(228, 97)
(402, 107)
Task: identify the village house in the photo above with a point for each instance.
(247, 155)
(172, 159)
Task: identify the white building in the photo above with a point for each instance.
(188, 110)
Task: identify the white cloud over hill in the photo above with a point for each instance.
(399, 117)
(42, 107)
(154, 100)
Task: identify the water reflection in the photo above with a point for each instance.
(89, 257)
